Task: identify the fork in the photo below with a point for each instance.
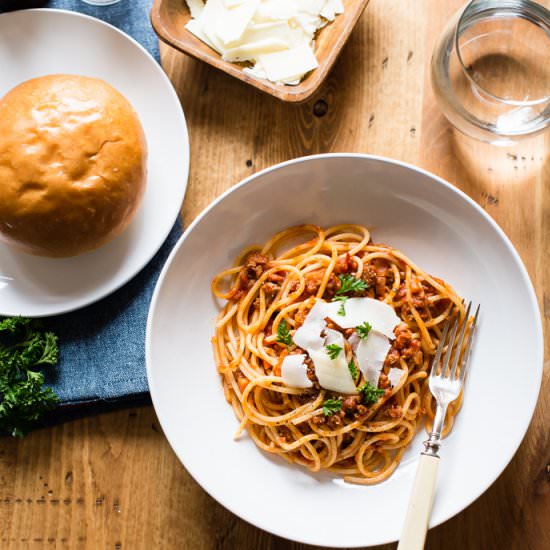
(446, 381)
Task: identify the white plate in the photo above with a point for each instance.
(444, 232)
(39, 42)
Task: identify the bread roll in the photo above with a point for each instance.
(73, 162)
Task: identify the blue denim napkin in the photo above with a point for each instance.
(102, 353)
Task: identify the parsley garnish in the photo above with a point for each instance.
(342, 308)
(370, 393)
(353, 369)
(331, 406)
(348, 283)
(333, 350)
(24, 347)
(363, 330)
(283, 334)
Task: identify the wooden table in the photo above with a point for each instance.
(111, 481)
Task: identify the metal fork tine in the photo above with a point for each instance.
(460, 342)
(465, 358)
(440, 347)
(448, 353)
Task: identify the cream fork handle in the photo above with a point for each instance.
(420, 504)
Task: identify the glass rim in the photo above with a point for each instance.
(541, 11)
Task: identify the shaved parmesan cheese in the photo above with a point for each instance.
(309, 23)
(254, 49)
(276, 10)
(289, 64)
(333, 374)
(353, 341)
(277, 36)
(233, 3)
(395, 375)
(256, 72)
(294, 372)
(331, 9)
(334, 337)
(313, 7)
(308, 336)
(371, 354)
(202, 27)
(264, 31)
(194, 27)
(232, 25)
(195, 7)
(379, 315)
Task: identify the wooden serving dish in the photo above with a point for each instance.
(169, 18)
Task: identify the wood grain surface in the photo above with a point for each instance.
(111, 481)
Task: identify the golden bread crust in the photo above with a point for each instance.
(73, 162)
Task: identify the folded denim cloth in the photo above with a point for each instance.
(102, 347)
(102, 350)
(130, 16)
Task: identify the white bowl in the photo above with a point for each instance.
(445, 233)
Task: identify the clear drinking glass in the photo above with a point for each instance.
(491, 70)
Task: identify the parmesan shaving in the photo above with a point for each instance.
(294, 372)
(277, 37)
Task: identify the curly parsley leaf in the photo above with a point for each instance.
(353, 369)
(370, 393)
(348, 283)
(333, 350)
(24, 347)
(12, 324)
(342, 308)
(331, 406)
(363, 330)
(283, 334)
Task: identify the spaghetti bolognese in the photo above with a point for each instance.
(324, 347)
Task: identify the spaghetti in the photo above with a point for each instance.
(269, 293)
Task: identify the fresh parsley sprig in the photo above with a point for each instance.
(24, 347)
(331, 406)
(353, 369)
(342, 309)
(371, 394)
(348, 283)
(283, 334)
(363, 330)
(333, 350)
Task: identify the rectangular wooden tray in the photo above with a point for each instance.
(169, 18)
